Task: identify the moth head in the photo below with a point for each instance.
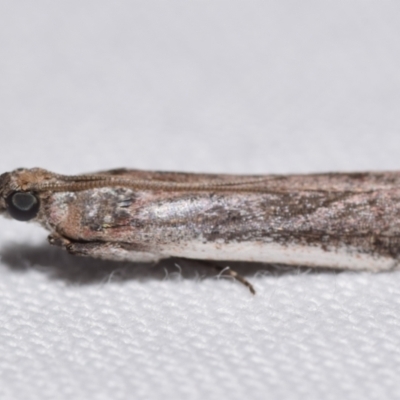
(18, 199)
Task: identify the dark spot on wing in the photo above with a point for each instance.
(125, 202)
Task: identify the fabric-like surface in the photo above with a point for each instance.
(252, 87)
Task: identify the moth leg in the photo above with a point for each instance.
(228, 271)
(231, 272)
(57, 240)
(103, 250)
(84, 249)
(76, 248)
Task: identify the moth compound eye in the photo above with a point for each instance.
(22, 206)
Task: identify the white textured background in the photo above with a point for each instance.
(217, 86)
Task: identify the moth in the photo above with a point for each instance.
(335, 220)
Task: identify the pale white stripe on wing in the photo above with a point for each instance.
(274, 253)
